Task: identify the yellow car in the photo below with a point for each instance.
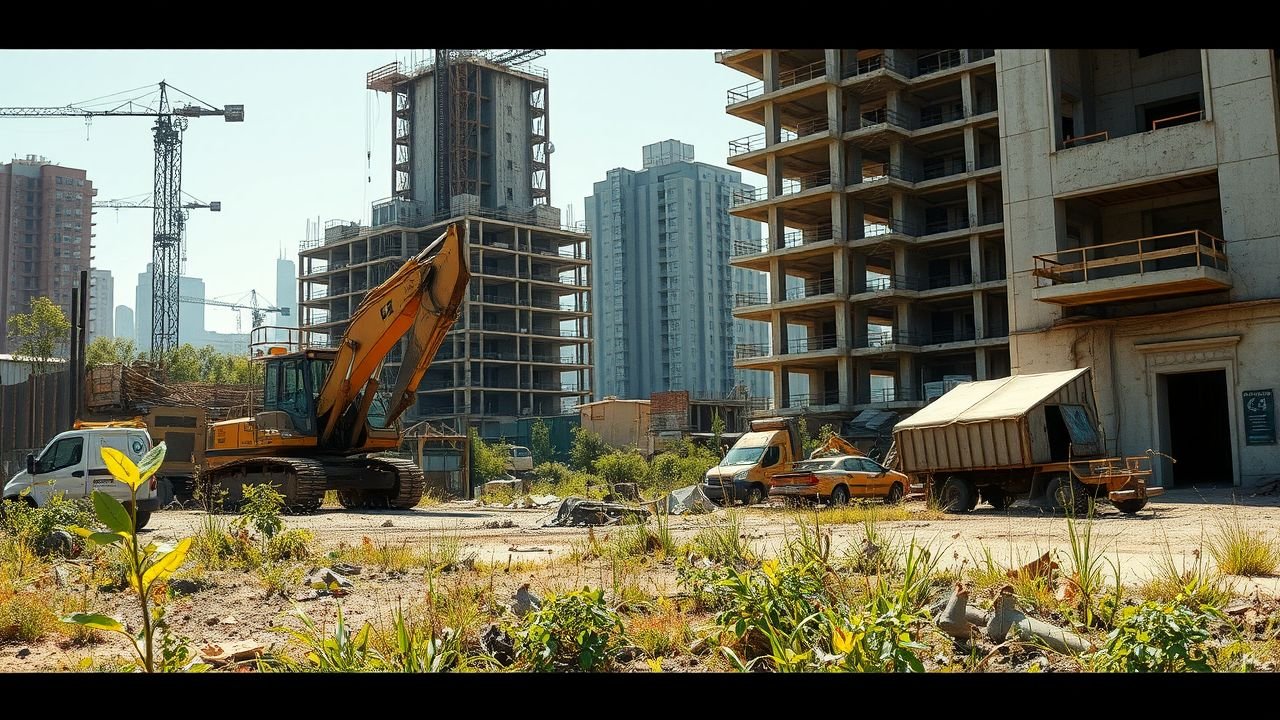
(837, 479)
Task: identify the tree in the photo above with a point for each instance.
(110, 351)
(588, 446)
(717, 432)
(540, 442)
(488, 460)
(622, 466)
(40, 333)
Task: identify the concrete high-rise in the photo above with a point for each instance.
(124, 323)
(1142, 230)
(102, 297)
(521, 346)
(661, 242)
(883, 206)
(190, 316)
(286, 294)
(46, 221)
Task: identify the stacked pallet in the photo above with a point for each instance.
(137, 388)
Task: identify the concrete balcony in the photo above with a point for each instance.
(1142, 269)
(1097, 161)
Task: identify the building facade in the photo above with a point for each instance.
(102, 296)
(46, 216)
(1142, 228)
(661, 241)
(885, 246)
(522, 345)
(124, 323)
(286, 295)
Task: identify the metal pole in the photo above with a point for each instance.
(73, 348)
(82, 348)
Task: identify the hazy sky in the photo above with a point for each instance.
(315, 142)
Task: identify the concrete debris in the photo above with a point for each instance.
(346, 568)
(498, 644)
(544, 500)
(388, 523)
(498, 524)
(62, 576)
(327, 580)
(577, 511)
(517, 548)
(23, 652)
(220, 654)
(60, 542)
(525, 601)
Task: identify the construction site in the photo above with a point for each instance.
(959, 366)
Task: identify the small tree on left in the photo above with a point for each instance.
(40, 334)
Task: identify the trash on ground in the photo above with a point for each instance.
(580, 511)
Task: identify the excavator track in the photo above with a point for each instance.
(302, 481)
(404, 495)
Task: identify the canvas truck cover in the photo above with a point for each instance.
(993, 423)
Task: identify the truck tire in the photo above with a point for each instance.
(957, 495)
(1069, 494)
(755, 495)
(839, 496)
(997, 498)
(895, 494)
(1130, 507)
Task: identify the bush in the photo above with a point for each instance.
(488, 460)
(587, 447)
(1240, 550)
(290, 545)
(24, 616)
(552, 473)
(540, 442)
(680, 466)
(575, 630)
(622, 466)
(1160, 638)
(34, 525)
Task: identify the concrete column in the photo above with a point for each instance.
(852, 113)
(832, 58)
(902, 321)
(975, 258)
(856, 227)
(840, 271)
(862, 380)
(1054, 88)
(979, 314)
(908, 384)
(900, 263)
(772, 124)
(859, 325)
(964, 57)
(975, 210)
(780, 387)
(857, 272)
(844, 380)
(770, 70)
(980, 360)
(774, 227)
(839, 203)
(835, 155)
(971, 148)
(844, 327)
(777, 333)
(777, 280)
(968, 97)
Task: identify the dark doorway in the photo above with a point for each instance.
(1199, 428)
(1059, 438)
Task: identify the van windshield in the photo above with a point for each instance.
(743, 456)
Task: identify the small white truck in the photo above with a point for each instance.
(72, 464)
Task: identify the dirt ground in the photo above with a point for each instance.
(233, 607)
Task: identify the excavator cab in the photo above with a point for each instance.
(291, 387)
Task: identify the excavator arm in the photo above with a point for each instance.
(835, 445)
(422, 299)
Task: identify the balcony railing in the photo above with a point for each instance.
(747, 144)
(893, 394)
(750, 247)
(937, 61)
(890, 227)
(744, 92)
(1181, 119)
(930, 116)
(804, 73)
(811, 125)
(811, 288)
(940, 226)
(963, 335)
(872, 64)
(744, 197)
(1192, 248)
(746, 299)
(811, 344)
(830, 397)
(883, 116)
(796, 238)
(791, 186)
(744, 351)
(892, 282)
(881, 338)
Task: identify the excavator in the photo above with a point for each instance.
(835, 445)
(323, 420)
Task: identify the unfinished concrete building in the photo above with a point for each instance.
(522, 344)
(885, 239)
(1143, 225)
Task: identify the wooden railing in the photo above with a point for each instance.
(1148, 254)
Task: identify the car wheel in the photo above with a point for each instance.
(895, 494)
(839, 496)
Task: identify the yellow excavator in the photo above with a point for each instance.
(323, 419)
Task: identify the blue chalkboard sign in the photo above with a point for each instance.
(1259, 417)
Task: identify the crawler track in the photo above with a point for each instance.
(302, 481)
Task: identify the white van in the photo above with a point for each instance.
(72, 464)
(519, 459)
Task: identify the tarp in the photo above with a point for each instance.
(1001, 399)
(689, 499)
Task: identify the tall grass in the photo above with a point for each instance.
(1239, 550)
(724, 542)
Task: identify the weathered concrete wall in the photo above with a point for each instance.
(511, 158)
(1178, 150)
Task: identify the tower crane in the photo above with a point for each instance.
(148, 203)
(257, 309)
(168, 219)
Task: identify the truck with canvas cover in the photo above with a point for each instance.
(1035, 436)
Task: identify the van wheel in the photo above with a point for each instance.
(755, 495)
(839, 496)
(895, 494)
(957, 495)
(144, 516)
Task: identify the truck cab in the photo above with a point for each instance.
(747, 470)
(72, 464)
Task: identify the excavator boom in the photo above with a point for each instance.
(835, 445)
(422, 299)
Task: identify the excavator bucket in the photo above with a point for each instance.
(423, 298)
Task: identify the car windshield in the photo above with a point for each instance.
(743, 456)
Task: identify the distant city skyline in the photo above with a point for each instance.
(320, 144)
